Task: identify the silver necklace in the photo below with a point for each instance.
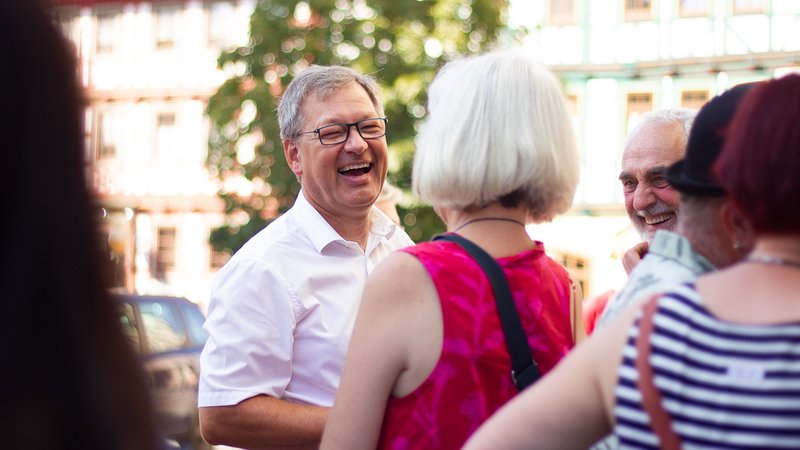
(774, 260)
(481, 219)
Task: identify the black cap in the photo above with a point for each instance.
(692, 174)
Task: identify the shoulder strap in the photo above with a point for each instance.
(651, 397)
(524, 370)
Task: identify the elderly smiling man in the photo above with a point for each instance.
(655, 144)
(710, 233)
(651, 203)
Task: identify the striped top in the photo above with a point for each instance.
(723, 385)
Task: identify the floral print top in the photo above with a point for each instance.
(472, 378)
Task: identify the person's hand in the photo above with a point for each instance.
(632, 257)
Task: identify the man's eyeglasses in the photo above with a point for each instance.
(337, 133)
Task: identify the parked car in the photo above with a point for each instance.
(168, 334)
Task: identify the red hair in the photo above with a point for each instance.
(760, 163)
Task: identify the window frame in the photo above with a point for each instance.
(106, 25)
(106, 134)
(215, 14)
(693, 12)
(566, 17)
(634, 13)
(166, 38)
(694, 103)
(630, 111)
(165, 250)
(748, 9)
(166, 134)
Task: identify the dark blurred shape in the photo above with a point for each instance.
(692, 174)
(168, 334)
(70, 377)
(759, 165)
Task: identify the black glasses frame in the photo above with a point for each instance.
(348, 126)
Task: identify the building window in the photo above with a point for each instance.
(220, 24)
(166, 27)
(165, 250)
(107, 133)
(638, 104)
(573, 110)
(106, 38)
(166, 134)
(694, 99)
(562, 12)
(637, 9)
(572, 105)
(748, 6)
(166, 119)
(88, 142)
(693, 8)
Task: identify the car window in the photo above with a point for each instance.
(162, 326)
(128, 319)
(194, 322)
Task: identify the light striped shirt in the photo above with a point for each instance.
(723, 385)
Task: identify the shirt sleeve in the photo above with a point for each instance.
(250, 322)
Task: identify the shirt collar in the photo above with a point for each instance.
(381, 227)
(674, 246)
(322, 234)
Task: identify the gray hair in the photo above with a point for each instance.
(682, 116)
(322, 81)
(497, 125)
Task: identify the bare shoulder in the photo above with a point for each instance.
(397, 276)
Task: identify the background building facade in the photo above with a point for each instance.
(148, 69)
(621, 59)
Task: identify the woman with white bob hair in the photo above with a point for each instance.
(428, 362)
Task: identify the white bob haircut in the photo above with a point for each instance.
(497, 128)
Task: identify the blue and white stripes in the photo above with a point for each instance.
(724, 385)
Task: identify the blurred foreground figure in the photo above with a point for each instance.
(711, 364)
(71, 379)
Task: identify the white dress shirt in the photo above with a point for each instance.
(282, 309)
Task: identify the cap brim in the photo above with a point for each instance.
(677, 178)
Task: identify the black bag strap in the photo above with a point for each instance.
(524, 370)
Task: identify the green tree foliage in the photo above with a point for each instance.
(400, 42)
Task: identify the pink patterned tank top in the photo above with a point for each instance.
(472, 378)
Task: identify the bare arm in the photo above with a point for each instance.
(387, 325)
(264, 422)
(569, 408)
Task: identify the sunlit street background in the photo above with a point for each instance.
(181, 139)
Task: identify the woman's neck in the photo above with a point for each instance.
(489, 216)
